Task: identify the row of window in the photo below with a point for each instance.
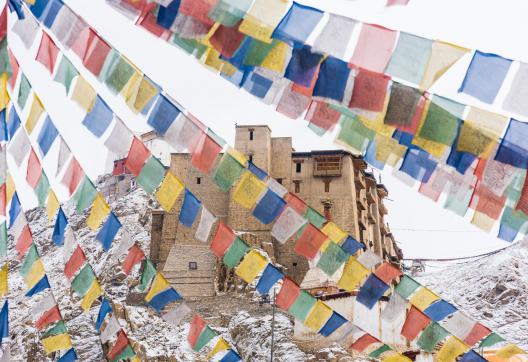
(296, 183)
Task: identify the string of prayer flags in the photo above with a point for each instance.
(47, 52)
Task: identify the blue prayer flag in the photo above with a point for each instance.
(507, 233)
(109, 230)
(163, 115)
(231, 356)
(302, 66)
(461, 161)
(47, 135)
(69, 356)
(98, 120)
(418, 165)
(51, 12)
(298, 23)
(43, 284)
(38, 8)
(472, 356)
(13, 122)
(439, 310)
(14, 209)
(485, 76)
(237, 60)
(16, 6)
(162, 299)
(336, 320)
(257, 171)
(60, 227)
(103, 311)
(4, 321)
(371, 291)
(332, 80)
(190, 208)
(269, 207)
(3, 126)
(370, 156)
(167, 15)
(257, 85)
(351, 245)
(270, 276)
(404, 138)
(513, 149)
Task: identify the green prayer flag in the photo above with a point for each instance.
(3, 239)
(151, 175)
(58, 328)
(204, 338)
(82, 281)
(227, 172)
(514, 219)
(439, 126)
(316, 129)
(378, 352)
(120, 75)
(29, 259)
(236, 252)
(149, 272)
(5, 65)
(315, 218)
(355, 134)
(431, 336)
(332, 259)
(42, 190)
(66, 73)
(109, 63)
(127, 354)
(190, 46)
(258, 51)
(23, 91)
(85, 195)
(491, 340)
(230, 12)
(457, 205)
(302, 305)
(406, 286)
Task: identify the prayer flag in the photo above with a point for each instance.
(288, 294)
(332, 80)
(96, 54)
(332, 258)
(410, 58)
(513, 149)
(370, 91)
(43, 284)
(363, 342)
(509, 351)
(371, 291)
(431, 336)
(207, 221)
(298, 23)
(163, 114)
(472, 356)
(190, 208)
(423, 298)
(34, 114)
(99, 118)
(335, 36)
(120, 139)
(220, 345)
(66, 73)
(310, 241)
(134, 256)
(443, 56)
(477, 334)
(151, 175)
(439, 310)
(303, 66)
(353, 275)
(94, 292)
(119, 346)
(204, 153)
(73, 176)
(270, 276)
(75, 262)
(248, 190)
(149, 272)
(84, 94)
(485, 76)
(287, 224)
(269, 207)
(175, 315)
(161, 300)
(60, 226)
(119, 74)
(223, 238)
(83, 280)
(302, 305)
(459, 324)
(197, 326)
(335, 321)
(451, 349)
(235, 253)
(109, 230)
(137, 155)
(47, 52)
(322, 116)
(85, 195)
(34, 169)
(318, 316)
(24, 90)
(518, 92)
(262, 18)
(158, 285)
(168, 192)
(69, 356)
(374, 47)
(231, 356)
(98, 212)
(56, 343)
(402, 107)
(387, 272)
(47, 136)
(415, 322)
(226, 40)
(252, 264)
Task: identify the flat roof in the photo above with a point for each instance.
(322, 153)
(252, 126)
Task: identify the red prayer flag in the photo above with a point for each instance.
(47, 52)
(417, 117)
(322, 115)
(135, 255)
(222, 240)
(81, 43)
(296, 203)
(15, 67)
(77, 260)
(148, 21)
(374, 47)
(387, 272)
(96, 54)
(478, 333)
(205, 153)
(3, 199)
(51, 316)
(119, 346)
(198, 9)
(197, 326)
(370, 91)
(226, 40)
(487, 202)
(415, 323)
(288, 294)
(73, 176)
(34, 170)
(522, 204)
(310, 242)
(3, 23)
(363, 342)
(23, 242)
(137, 156)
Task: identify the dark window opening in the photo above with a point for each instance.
(327, 185)
(294, 264)
(297, 186)
(251, 135)
(279, 180)
(250, 158)
(298, 167)
(327, 213)
(193, 265)
(120, 177)
(198, 180)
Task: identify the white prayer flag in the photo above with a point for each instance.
(287, 224)
(207, 221)
(120, 139)
(369, 259)
(176, 315)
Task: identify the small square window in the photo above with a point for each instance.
(198, 180)
(250, 157)
(297, 186)
(298, 167)
(294, 264)
(193, 265)
(279, 180)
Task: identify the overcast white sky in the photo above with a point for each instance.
(489, 25)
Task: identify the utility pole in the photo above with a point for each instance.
(272, 324)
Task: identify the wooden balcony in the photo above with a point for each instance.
(372, 213)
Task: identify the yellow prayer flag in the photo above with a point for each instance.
(395, 357)
(52, 205)
(252, 264)
(212, 59)
(158, 285)
(93, 293)
(318, 316)
(59, 342)
(145, 93)
(84, 94)
(34, 275)
(135, 359)
(482, 221)
(509, 351)
(98, 212)
(248, 190)
(480, 132)
(34, 114)
(423, 298)
(263, 17)
(10, 188)
(168, 192)
(228, 69)
(221, 345)
(276, 58)
(334, 232)
(131, 88)
(353, 276)
(256, 30)
(443, 56)
(3, 280)
(4, 96)
(237, 155)
(451, 349)
(388, 150)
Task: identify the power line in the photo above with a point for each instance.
(436, 230)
